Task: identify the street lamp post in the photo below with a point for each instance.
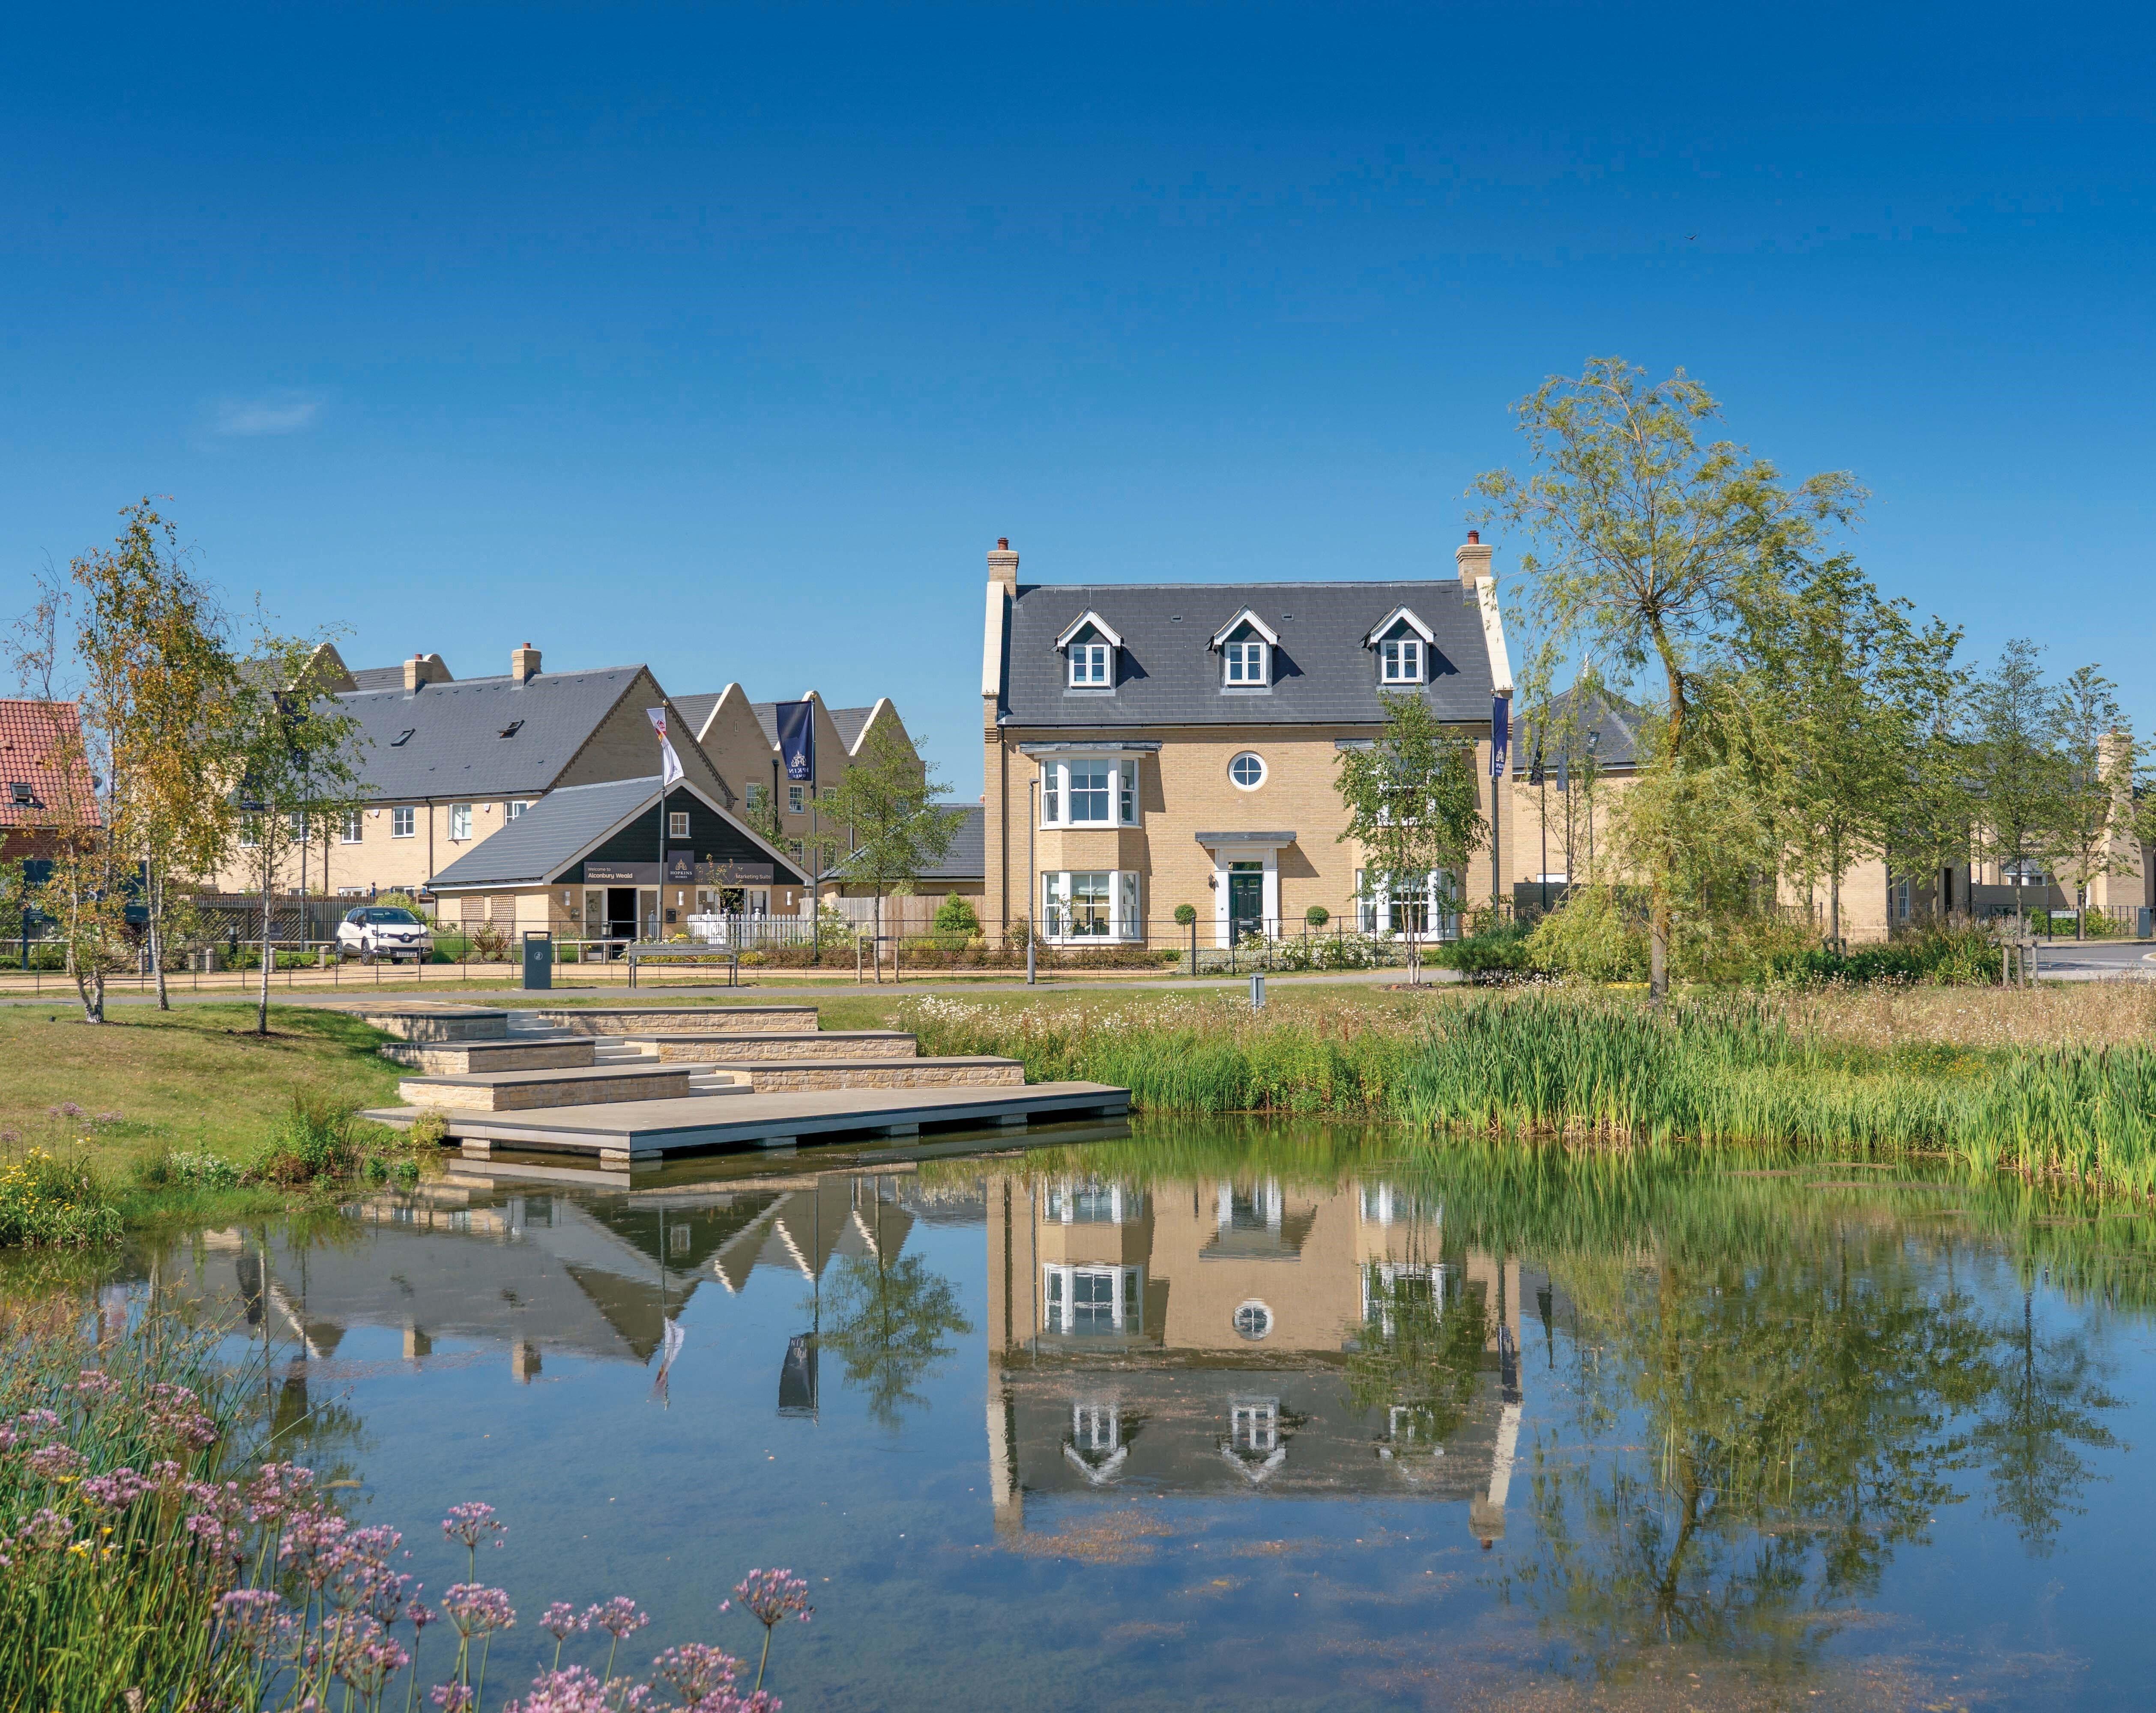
(1032, 882)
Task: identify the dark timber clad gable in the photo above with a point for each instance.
(711, 838)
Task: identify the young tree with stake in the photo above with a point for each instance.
(887, 802)
(1414, 804)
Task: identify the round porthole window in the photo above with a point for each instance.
(1248, 770)
(1253, 1321)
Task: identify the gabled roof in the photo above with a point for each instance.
(1394, 617)
(1603, 720)
(1089, 617)
(41, 747)
(967, 860)
(456, 747)
(561, 827)
(1248, 616)
(696, 709)
(849, 722)
(1168, 674)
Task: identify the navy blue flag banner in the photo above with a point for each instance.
(1501, 734)
(796, 739)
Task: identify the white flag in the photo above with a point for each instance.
(670, 764)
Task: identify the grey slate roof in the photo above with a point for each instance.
(548, 835)
(1609, 723)
(1166, 674)
(456, 749)
(696, 709)
(967, 860)
(378, 678)
(848, 720)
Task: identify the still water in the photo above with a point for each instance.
(1216, 1416)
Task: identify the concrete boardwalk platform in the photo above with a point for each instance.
(623, 1132)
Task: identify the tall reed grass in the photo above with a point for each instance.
(1600, 1070)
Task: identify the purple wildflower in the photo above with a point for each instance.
(559, 1621)
(57, 1463)
(576, 1691)
(478, 1611)
(451, 1697)
(421, 1616)
(618, 1618)
(696, 1671)
(771, 1595)
(47, 1529)
(253, 1617)
(472, 1523)
(117, 1490)
(278, 1488)
(93, 1385)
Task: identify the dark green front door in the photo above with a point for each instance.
(1247, 900)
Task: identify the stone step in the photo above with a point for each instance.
(529, 1050)
(530, 1090)
(834, 1044)
(791, 1076)
(412, 1021)
(676, 1019)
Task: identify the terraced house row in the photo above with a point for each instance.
(532, 799)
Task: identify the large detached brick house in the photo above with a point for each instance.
(1152, 745)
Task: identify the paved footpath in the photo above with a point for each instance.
(57, 993)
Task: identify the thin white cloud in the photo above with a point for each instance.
(272, 413)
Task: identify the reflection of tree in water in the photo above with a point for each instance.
(2040, 1412)
(1415, 1356)
(888, 1324)
(1803, 1416)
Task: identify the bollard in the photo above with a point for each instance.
(1257, 991)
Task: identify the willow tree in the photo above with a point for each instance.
(1645, 543)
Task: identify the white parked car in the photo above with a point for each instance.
(383, 930)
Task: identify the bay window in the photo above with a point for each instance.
(1423, 905)
(1090, 905)
(1090, 791)
(1094, 1299)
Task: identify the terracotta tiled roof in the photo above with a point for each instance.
(33, 736)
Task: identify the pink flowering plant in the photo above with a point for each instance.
(146, 1560)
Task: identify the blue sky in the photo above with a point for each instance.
(730, 339)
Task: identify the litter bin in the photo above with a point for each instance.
(538, 959)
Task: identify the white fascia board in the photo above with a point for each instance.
(1245, 616)
(992, 640)
(1089, 617)
(1393, 618)
(1493, 637)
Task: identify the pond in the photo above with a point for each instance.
(1213, 1415)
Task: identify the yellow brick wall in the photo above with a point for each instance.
(1183, 790)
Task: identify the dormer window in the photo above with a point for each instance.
(1090, 646)
(1245, 643)
(1403, 644)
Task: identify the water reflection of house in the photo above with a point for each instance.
(596, 1276)
(1231, 1337)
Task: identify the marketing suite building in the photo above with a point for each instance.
(1152, 745)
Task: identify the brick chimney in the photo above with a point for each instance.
(1473, 560)
(524, 664)
(1003, 563)
(424, 670)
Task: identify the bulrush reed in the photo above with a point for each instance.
(1606, 1070)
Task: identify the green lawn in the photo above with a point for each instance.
(196, 1077)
